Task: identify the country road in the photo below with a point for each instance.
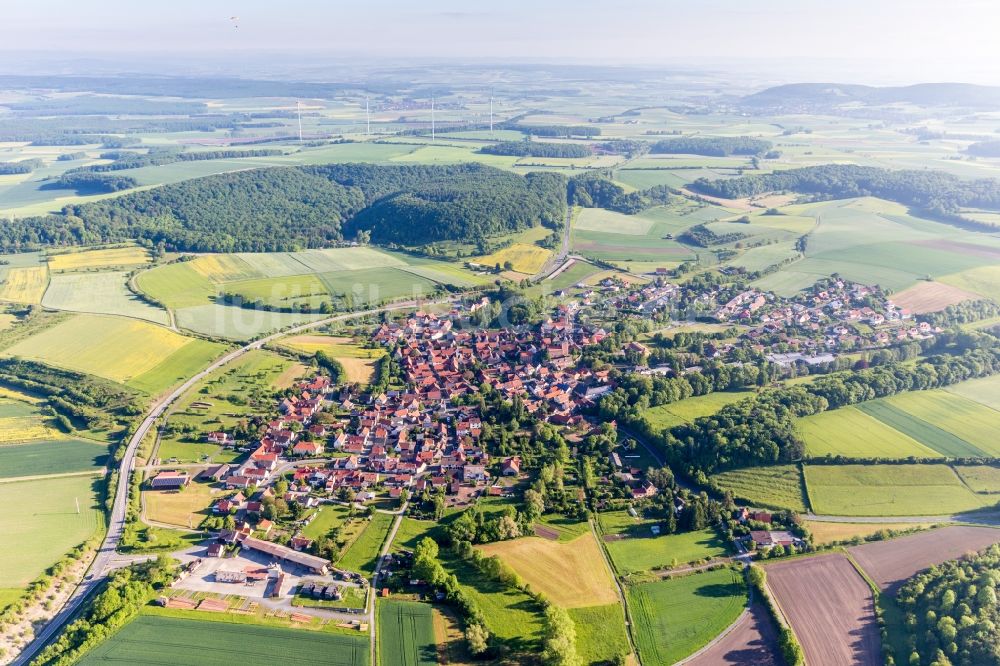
(107, 556)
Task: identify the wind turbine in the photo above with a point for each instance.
(368, 118)
(432, 119)
(298, 111)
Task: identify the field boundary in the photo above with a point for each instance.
(618, 586)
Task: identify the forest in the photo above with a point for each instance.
(714, 146)
(951, 613)
(290, 208)
(537, 149)
(935, 192)
(134, 160)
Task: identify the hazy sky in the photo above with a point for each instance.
(926, 38)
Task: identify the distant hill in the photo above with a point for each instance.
(831, 96)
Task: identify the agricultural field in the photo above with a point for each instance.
(363, 552)
(853, 433)
(24, 285)
(523, 258)
(942, 420)
(633, 548)
(985, 391)
(41, 516)
(576, 273)
(684, 411)
(980, 478)
(677, 616)
(85, 260)
(572, 574)
(219, 401)
(778, 486)
(100, 293)
(890, 490)
(753, 640)
(118, 349)
(181, 508)
(290, 280)
(43, 457)
(931, 297)
(824, 532)
(200, 643)
(358, 362)
(600, 633)
(890, 563)
(513, 617)
(406, 634)
(835, 622)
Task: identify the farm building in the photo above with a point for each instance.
(766, 539)
(315, 564)
(169, 480)
(231, 576)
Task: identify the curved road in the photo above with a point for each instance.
(107, 559)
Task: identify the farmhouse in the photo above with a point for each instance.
(314, 564)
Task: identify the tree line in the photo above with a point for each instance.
(712, 146)
(537, 149)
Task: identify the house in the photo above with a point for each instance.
(220, 438)
(511, 466)
(474, 473)
(169, 480)
(304, 448)
(215, 550)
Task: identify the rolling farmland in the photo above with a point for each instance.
(24, 285)
(118, 349)
(854, 433)
(44, 457)
(675, 617)
(157, 640)
(98, 258)
(406, 634)
(753, 640)
(600, 632)
(834, 622)
(633, 548)
(364, 550)
(99, 293)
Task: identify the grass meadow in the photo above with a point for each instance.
(673, 414)
(600, 632)
(676, 617)
(363, 552)
(100, 293)
(641, 551)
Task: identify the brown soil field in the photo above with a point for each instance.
(830, 608)
(930, 297)
(753, 641)
(546, 533)
(968, 249)
(889, 563)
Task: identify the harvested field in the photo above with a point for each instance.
(572, 574)
(824, 533)
(834, 622)
(889, 563)
(524, 258)
(102, 258)
(958, 247)
(24, 285)
(930, 297)
(751, 642)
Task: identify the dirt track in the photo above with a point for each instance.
(830, 609)
(889, 563)
(752, 642)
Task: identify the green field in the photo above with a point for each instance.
(119, 349)
(851, 432)
(684, 411)
(41, 517)
(405, 634)
(890, 490)
(674, 618)
(985, 391)
(363, 553)
(99, 293)
(981, 478)
(600, 633)
(778, 486)
(167, 640)
(641, 551)
(59, 456)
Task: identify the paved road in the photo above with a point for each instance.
(107, 556)
(556, 260)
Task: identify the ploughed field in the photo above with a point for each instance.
(829, 607)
